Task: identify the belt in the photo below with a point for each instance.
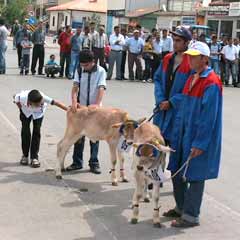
(98, 48)
(135, 53)
(116, 50)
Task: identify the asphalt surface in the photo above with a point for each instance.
(36, 206)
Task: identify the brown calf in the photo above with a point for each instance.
(97, 123)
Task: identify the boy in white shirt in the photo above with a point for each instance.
(32, 105)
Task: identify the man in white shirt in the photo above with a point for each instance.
(167, 43)
(117, 42)
(100, 41)
(157, 50)
(230, 55)
(32, 105)
(135, 46)
(3, 46)
(89, 87)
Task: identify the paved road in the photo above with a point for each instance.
(35, 206)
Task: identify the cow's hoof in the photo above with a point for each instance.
(134, 221)
(59, 177)
(114, 184)
(146, 200)
(125, 180)
(157, 225)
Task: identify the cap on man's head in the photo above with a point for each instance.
(198, 48)
(182, 32)
(136, 31)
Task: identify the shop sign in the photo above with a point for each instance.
(234, 10)
(219, 10)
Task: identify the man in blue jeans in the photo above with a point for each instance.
(76, 45)
(197, 136)
(88, 89)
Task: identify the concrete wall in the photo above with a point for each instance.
(116, 4)
(132, 5)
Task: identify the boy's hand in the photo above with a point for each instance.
(19, 105)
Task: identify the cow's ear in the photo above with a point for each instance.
(165, 149)
(135, 145)
(141, 120)
(126, 117)
(117, 125)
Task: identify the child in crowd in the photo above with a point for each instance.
(26, 48)
(52, 68)
(32, 105)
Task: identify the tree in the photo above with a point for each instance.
(15, 9)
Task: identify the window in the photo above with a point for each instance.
(53, 21)
(66, 20)
(238, 24)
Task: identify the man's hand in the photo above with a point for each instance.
(94, 105)
(195, 152)
(165, 105)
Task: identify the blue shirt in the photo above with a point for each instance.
(51, 62)
(76, 41)
(135, 45)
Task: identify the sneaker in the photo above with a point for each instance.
(21, 72)
(149, 80)
(35, 163)
(95, 170)
(26, 72)
(24, 161)
(144, 81)
(73, 167)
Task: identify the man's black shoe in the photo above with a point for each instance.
(95, 170)
(73, 167)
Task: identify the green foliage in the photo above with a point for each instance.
(15, 9)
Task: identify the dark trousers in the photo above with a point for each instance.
(156, 62)
(78, 153)
(29, 142)
(65, 57)
(52, 70)
(25, 62)
(19, 53)
(38, 55)
(134, 58)
(188, 197)
(99, 56)
(123, 64)
(148, 73)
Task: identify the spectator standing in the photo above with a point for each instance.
(93, 31)
(222, 62)
(19, 37)
(86, 39)
(135, 47)
(148, 58)
(100, 41)
(76, 41)
(167, 43)
(65, 50)
(47, 28)
(157, 48)
(117, 42)
(16, 26)
(230, 55)
(38, 40)
(215, 51)
(3, 46)
(26, 49)
(124, 53)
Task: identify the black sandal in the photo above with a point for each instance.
(172, 214)
(181, 223)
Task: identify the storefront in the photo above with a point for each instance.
(224, 19)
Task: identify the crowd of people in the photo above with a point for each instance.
(142, 52)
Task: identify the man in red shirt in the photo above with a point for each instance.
(65, 50)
